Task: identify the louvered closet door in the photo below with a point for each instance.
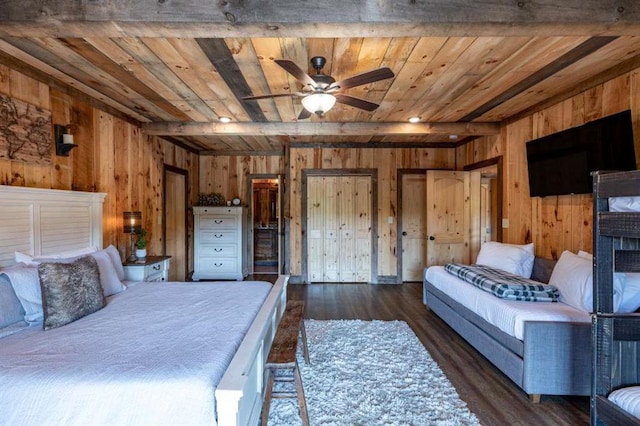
(339, 229)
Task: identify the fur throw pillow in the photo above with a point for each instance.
(70, 291)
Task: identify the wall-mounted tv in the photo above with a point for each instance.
(561, 163)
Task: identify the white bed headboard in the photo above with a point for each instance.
(42, 221)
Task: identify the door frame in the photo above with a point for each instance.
(250, 208)
(173, 169)
(373, 174)
(497, 161)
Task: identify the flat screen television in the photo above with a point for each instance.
(561, 163)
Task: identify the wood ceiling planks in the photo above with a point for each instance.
(441, 79)
(553, 68)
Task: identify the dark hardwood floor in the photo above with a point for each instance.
(494, 398)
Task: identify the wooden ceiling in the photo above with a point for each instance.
(177, 67)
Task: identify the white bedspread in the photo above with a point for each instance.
(508, 315)
(152, 356)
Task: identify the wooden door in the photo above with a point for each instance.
(175, 225)
(266, 225)
(448, 216)
(414, 231)
(339, 229)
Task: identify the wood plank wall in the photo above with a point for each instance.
(553, 223)
(228, 175)
(112, 156)
(387, 161)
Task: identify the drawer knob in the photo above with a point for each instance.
(217, 249)
(156, 268)
(217, 265)
(218, 221)
(217, 235)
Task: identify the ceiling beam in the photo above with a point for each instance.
(282, 18)
(319, 128)
(221, 58)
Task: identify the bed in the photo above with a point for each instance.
(615, 395)
(155, 353)
(542, 347)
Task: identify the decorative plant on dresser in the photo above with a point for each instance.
(220, 243)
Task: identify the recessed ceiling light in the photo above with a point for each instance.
(225, 120)
(414, 120)
(453, 137)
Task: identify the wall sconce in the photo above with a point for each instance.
(132, 223)
(64, 139)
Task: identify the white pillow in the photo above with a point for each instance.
(69, 254)
(115, 259)
(109, 280)
(631, 293)
(627, 399)
(517, 259)
(26, 285)
(108, 275)
(624, 204)
(585, 254)
(630, 299)
(573, 277)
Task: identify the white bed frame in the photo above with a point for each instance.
(42, 221)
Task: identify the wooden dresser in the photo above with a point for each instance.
(220, 243)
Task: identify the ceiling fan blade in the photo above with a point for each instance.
(364, 78)
(296, 71)
(273, 95)
(304, 114)
(356, 102)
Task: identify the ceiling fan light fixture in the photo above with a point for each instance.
(318, 103)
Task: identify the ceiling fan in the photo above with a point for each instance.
(320, 92)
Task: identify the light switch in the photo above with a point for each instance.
(505, 223)
(390, 219)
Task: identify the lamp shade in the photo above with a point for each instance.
(318, 103)
(131, 222)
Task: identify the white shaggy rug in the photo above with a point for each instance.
(370, 373)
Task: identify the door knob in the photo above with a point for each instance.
(431, 237)
(404, 233)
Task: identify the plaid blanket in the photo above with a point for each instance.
(504, 284)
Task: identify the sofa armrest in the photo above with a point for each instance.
(557, 354)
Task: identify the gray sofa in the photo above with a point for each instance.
(553, 359)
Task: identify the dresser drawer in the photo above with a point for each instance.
(153, 268)
(216, 237)
(214, 251)
(218, 222)
(215, 267)
(155, 272)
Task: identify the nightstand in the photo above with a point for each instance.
(152, 268)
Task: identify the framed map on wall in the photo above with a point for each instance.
(25, 132)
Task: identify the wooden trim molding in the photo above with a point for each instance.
(486, 163)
